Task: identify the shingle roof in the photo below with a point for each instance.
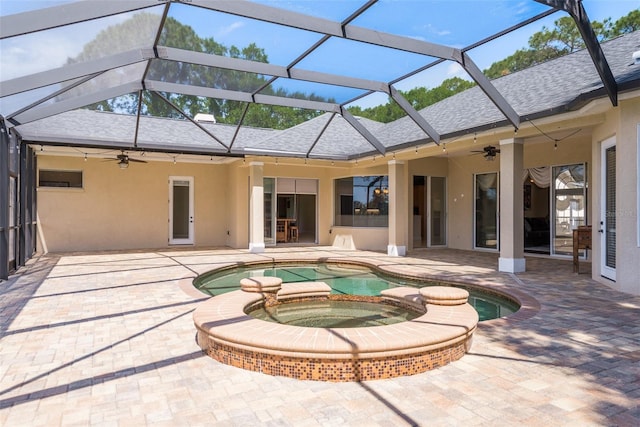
(545, 89)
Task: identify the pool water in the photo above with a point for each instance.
(344, 281)
(334, 314)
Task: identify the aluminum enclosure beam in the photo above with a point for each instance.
(70, 72)
(579, 15)
(198, 125)
(65, 14)
(77, 102)
(363, 131)
(414, 115)
(350, 32)
(209, 60)
(490, 90)
(240, 96)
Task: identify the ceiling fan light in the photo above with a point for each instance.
(123, 164)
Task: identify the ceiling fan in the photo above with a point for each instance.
(489, 152)
(124, 159)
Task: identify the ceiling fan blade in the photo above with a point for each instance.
(137, 161)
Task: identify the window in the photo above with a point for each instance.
(56, 178)
(569, 205)
(362, 201)
(486, 210)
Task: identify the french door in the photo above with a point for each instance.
(607, 228)
(181, 221)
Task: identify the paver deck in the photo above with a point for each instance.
(108, 339)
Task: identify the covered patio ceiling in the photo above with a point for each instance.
(323, 57)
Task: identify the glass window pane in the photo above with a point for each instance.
(486, 210)
(438, 211)
(299, 89)
(269, 210)
(362, 201)
(204, 30)
(569, 206)
(362, 60)
(452, 23)
(59, 178)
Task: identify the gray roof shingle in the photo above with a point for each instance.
(545, 89)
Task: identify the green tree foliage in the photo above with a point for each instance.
(544, 45)
(563, 38)
(419, 98)
(626, 24)
(177, 35)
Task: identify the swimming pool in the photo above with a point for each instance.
(344, 280)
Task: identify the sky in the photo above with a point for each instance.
(454, 23)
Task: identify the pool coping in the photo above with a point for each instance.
(529, 306)
(226, 333)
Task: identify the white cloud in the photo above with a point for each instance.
(224, 31)
(455, 69)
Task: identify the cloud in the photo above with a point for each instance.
(224, 31)
(455, 69)
(521, 8)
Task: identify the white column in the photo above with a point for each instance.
(256, 207)
(511, 207)
(398, 228)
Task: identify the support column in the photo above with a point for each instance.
(256, 207)
(398, 214)
(511, 207)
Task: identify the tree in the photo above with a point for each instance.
(560, 40)
(125, 36)
(626, 24)
(419, 98)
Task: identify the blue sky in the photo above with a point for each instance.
(455, 23)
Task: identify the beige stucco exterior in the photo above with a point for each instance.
(128, 209)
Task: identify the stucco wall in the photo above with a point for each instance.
(128, 209)
(628, 252)
(462, 169)
(621, 123)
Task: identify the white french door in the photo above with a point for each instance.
(181, 220)
(607, 226)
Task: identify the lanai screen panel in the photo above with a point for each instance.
(317, 57)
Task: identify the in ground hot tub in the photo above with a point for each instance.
(440, 333)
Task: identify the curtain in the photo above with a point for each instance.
(487, 180)
(541, 176)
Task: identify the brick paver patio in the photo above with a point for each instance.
(108, 339)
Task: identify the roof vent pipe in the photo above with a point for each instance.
(205, 118)
(636, 57)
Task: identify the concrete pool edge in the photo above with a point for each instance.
(529, 306)
(227, 334)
